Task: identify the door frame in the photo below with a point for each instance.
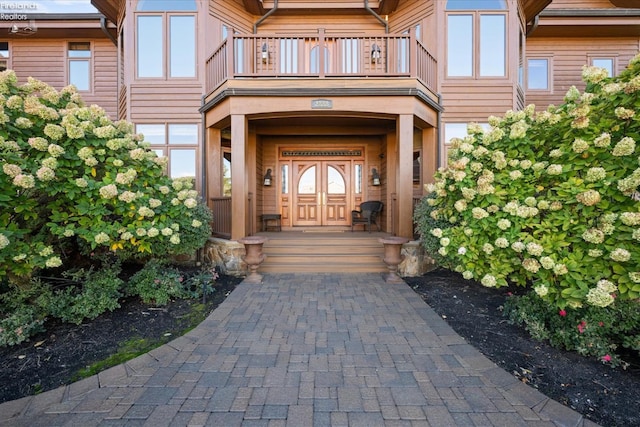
(354, 155)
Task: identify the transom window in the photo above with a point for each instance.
(176, 141)
(166, 5)
(79, 64)
(476, 40)
(476, 5)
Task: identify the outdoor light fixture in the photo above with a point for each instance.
(375, 176)
(265, 53)
(267, 178)
(375, 53)
(27, 30)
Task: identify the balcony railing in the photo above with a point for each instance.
(321, 56)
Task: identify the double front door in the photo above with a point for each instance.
(321, 192)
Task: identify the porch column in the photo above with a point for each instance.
(429, 155)
(404, 183)
(213, 164)
(239, 182)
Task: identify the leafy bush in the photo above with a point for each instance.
(589, 330)
(550, 199)
(157, 283)
(20, 317)
(74, 182)
(92, 293)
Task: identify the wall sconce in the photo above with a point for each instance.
(267, 178)
(265, 53)
(375, 176)
(375, 53)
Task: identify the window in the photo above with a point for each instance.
(289, 56)
(606, 63)
(4, 55)
(471, 32)
(166, 5)
(166, 42)
(178, 142)
(79, 64)
(538, 74)
(314, 65)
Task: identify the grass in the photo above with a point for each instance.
(136, 346)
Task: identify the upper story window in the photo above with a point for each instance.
(4, 55)
(166, 40)
(79, 65)
(476, 40)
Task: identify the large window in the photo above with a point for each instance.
(476, 39)
(79, 64)
(4, 55)
(178, 142)
(166, 41)
(538, 74)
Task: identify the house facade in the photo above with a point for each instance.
(307, 108)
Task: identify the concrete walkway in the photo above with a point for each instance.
(304, 350)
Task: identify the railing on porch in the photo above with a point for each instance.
(221, 209)
(258, 56)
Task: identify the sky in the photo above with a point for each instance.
(46, 6)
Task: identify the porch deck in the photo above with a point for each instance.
(334, 250)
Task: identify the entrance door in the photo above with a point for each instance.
(321, 192)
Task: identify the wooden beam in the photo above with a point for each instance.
(387, 6)
(254, 7)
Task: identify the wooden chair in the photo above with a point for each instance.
(367, 215)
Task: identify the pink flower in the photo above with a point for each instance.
(600, 323)
(562, 313)
(606, 358)
(156, 281)
(582, 326)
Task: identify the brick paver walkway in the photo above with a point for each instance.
(304, 350)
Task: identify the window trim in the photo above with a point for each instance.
(549, 60)
(87, 59)
(476, 16)
(166, 46)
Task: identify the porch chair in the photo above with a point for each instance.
(367, 215)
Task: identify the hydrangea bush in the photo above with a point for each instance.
(73, 182)
(550, 199)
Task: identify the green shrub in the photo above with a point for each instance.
(156, 283)
(20, 317)
(72, 181)
(589, 330)
(550, 199)
(92, 293)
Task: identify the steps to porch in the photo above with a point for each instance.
(325, 251)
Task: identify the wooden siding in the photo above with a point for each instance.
(409, 14)
(476, 101)
(232, 14)
(46, 60)
(568, 56)
(170, 102)
(580, 4)
(304, 24)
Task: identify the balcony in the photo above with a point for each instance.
(252, 57)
